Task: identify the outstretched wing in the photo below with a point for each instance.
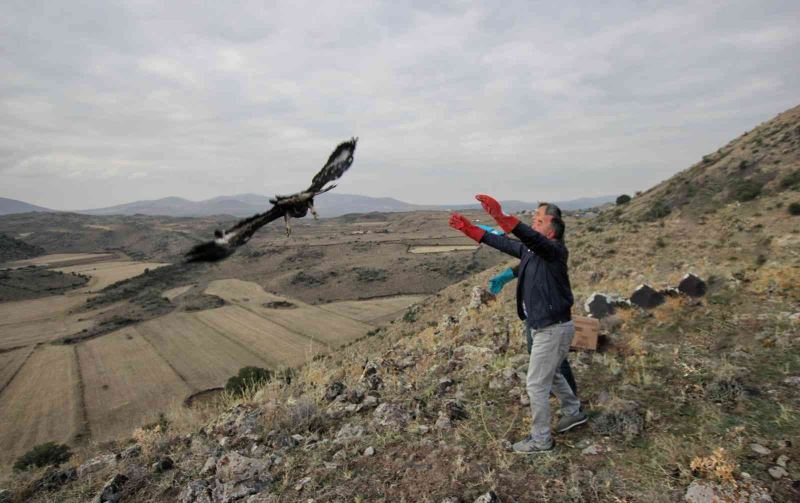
(338, 162)
(226, 243)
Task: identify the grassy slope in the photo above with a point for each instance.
(706, 375)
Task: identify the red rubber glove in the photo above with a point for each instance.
(461, 223)
(492, 207)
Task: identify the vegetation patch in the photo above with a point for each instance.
(659, 209)
(745, 190)
(247, 378)
(46, 454)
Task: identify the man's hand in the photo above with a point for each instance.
(492, 207)
(498, 282)
(461, 223)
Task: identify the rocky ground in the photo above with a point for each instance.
(692, 398)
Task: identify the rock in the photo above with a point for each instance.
(760, 449)
(489, 497)
(444, 385)
(456, 411)
(451, 499)
(692, 286)
(778, 472)
(354, 395)
(54, 478)
(262, 498)
(479, 298)
(703, 491)
(163, 464)
(302, 483)
(645, 297)
(131, 452)
(390, 414)
(619, 417)
(784, 444)
(792, 381)
(96, 464)
(370, 401)
(369, 451)
(592, 450)
(240, 420)
(448, 321)
(196, 491)
(782, 460)
(239, 476)
(209, 467)
(598, 306)
(348, 433)
(443, 422)
(112, 490)
(524, 399)
(334, 389)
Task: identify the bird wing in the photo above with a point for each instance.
(338, 162)
(233, 238)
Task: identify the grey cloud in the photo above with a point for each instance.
(106, 102)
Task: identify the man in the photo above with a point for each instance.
(497, 283)
(544, 300)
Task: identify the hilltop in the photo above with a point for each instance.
(696, 396)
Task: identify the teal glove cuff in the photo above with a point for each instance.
(498, 282)
(491, 230)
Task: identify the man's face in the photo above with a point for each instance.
(541, 223)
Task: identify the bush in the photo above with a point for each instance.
(794, 209)
(745, 190)
(248, 377)
(659, 209)
(623, 199)
(791, 181)
(49, 453)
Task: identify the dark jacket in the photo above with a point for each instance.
(543, 289)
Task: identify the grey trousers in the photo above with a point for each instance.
(549, 348)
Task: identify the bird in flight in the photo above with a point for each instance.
(292, 206)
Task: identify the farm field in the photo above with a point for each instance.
(126, 383)
(28, 322)
(373, 310)
(60, 258)
(173, 293)
(107, 273)
(10, 363)
(40, 404)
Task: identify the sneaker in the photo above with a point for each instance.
(569, 422)
(526, 446)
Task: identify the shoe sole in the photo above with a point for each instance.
(562, 430)
(534, 452)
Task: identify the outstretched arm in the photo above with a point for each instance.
(502, 243)
(535, 241)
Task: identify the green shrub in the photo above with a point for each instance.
(745, 190)
(248, 377)
(791, 181)
(659, 209)
(49, 453)
(623, 199)
(794, 209)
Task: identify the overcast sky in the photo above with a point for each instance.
(108, 102)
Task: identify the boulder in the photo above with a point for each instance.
(196, 491)
(598, 305)
(131, 452)
(163, 464)
(96, 464)
(489, 497)
(112, 490)
(334, 389)
(240, 420)
(239, 476)
(479, 297)
(778, 472)
(703, 491)
(348, 433)
(390, 414)
(692, 286)
(646, 297)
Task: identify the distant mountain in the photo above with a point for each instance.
(330, 205)
(9, 206)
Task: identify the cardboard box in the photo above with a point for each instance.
(586, 332)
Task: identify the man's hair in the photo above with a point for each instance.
(556, 223)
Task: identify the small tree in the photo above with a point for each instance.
(794, 209)
(49, 453)
(623, 199)
(745, 190)
(247, 377)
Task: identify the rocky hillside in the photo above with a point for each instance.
(694, 399)
(14, 249)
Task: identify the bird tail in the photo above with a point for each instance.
(210, 251)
